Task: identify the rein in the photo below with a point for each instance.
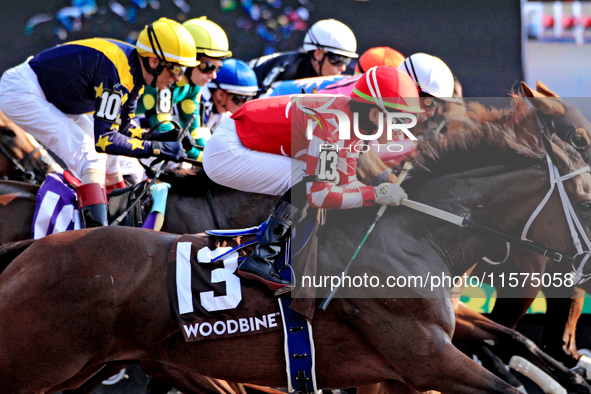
(573, 223)
(28, 175)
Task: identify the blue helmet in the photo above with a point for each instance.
(236, 77)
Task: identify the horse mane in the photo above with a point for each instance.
(501, 116)
(476, 146)
(186, 182)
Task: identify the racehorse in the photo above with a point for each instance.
(188, 208)
(564, 305)
(194, 204)
(489, 175)
(21, 159)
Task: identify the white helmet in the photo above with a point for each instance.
(431, 75)
(333, 36)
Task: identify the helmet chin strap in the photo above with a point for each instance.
(320, 62)
(154, 72)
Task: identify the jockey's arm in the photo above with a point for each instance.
(348, 192)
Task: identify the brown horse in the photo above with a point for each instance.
(194, 205)
(21, 159)
(564, 305)
(118, 274)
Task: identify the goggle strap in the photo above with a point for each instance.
(151, 33)
(413, 72)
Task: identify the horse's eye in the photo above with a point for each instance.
(585, 207)
(579, 142)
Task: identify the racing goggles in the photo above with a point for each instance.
(238, 99)
(207, 67)
(176, 69)
(428, 101)
(338, 60)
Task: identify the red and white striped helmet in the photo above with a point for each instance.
(389, 88)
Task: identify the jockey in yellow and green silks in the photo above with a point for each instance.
(157, 104)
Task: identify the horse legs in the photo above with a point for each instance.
(95, 381)
(473, 326)
(513, 303)
(494, 364)
(414, 335)
(562, 315)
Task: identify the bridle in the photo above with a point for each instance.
(28, 175)
(547, 125)
(574, 224)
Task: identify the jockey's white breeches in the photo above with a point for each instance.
(70, 137)
(228, 162)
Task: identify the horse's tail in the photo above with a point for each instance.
(10, 251)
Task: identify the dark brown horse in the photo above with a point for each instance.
(118, 274)
(21, 157)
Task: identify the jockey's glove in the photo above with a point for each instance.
(173, 135)
(172, 151)
(389, 194)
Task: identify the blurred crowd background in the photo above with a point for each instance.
(480, 41)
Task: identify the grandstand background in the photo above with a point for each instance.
(480, 41)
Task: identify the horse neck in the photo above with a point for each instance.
(499, 197)
(370, 166)
(528, 128)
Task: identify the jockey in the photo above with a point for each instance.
(235, 84)
(378, 56)
(157, 104)
(49, 94)
(265, 147)
(434, 81)
(329, 46)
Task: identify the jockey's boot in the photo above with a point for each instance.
(92, 203)
(260, 264)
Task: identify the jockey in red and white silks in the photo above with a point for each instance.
(270, 144)
(264, 146)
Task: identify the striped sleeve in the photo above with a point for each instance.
(347, 193)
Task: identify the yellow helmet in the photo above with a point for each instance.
(210, 38)
(168, 41)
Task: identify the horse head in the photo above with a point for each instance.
(558, 117)
(20, 156)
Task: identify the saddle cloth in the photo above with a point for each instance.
(56, 209)
(208, 299)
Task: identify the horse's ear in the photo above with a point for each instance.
(527, 92)
(314, 90)
(547, 105)
(304, 91)
(543, 89)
